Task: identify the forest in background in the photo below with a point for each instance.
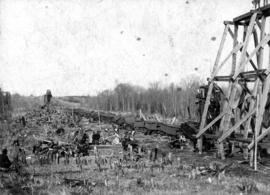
(173, 100)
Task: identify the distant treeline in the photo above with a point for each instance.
(173, 100)
(177, 100)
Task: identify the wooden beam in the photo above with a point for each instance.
(236, 49)
(262, 11)
(253, 153)
(246, 43)
(261, 44)
(260, 137)
(207, 102)
(202, 131)
(220, 49)
(231, 33)
(260, 98)
(247, 76)
(228, 133)
(258, 24)
(229, 78)
(262, 36)
(243, 140)
(256, 132)
(205, 110)
(228, 22)
(235, 43)
(225, 119)
(251, 61)
(261, 110)
(234, 57)
(256, 42)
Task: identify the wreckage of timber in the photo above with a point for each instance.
(187, 129)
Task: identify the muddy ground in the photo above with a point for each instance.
(186, 173)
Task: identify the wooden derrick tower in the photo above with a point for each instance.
(247, 84)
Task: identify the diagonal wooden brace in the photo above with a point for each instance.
(246, 43)
(202, 131)
(232, 129)
(264, 133)
(236, 49)
(261, 44)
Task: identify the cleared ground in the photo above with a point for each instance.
(188, 173)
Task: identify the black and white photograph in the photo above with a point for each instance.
(143, 97)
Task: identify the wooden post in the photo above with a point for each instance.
(260, 105)
(207, 102)
(225, 106)
(256, 133)
(234, 56)
(260, 113)
(246, 36)
(247, 125)
(256, 84)
(255, 37)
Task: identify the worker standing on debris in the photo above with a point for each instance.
(4, 160)
(23, 121)
(47, 99)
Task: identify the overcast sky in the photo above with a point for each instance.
(80, 47)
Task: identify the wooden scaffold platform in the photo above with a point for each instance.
(246, 98)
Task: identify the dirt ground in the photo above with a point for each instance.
(186, 173)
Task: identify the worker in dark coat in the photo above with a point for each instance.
(96, 138)
(4, 160)
(47, 99)
(23, 121)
